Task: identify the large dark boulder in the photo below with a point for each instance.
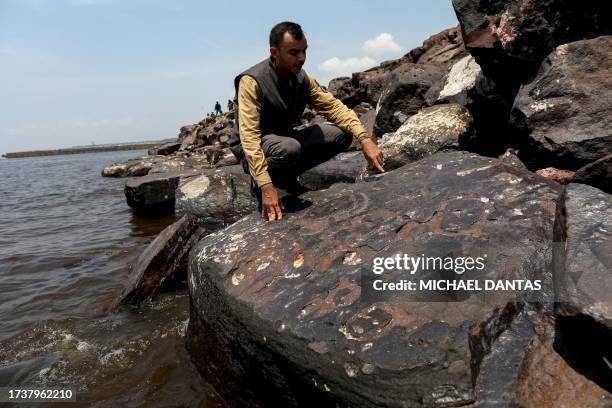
(440, 127)
(597, 174)
(153, 195)
(216, 198)
(163, 263)
(403, 94)
(509, 39)
(284, 313)
(584, 281)
(565, 113)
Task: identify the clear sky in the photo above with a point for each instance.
(73, 72)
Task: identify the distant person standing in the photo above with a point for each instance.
(218, 109)
(230, 105)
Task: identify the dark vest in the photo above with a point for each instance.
(283, 101)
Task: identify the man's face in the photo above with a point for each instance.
(291, 56)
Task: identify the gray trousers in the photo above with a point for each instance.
(288, 156)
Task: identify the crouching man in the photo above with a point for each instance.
(271, 97)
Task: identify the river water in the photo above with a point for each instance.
(67, 242)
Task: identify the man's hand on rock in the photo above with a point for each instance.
(272, 207)
(373, 154)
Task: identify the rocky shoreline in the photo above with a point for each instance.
(498, 144)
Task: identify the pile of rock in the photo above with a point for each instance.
(397, 88)
(203, 145)
(497, 143)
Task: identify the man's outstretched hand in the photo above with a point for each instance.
(272, 207)
(373, 154)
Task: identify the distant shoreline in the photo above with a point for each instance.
(84, 149)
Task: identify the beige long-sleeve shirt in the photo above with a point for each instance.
(249, 109)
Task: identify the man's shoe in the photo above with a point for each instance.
(293, 187)
(256, 193)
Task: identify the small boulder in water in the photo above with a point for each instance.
(163, 262)
(153, 195)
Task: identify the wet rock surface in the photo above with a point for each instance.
(154, 195)
(289, 310)
(564, 113)
(432, 129)
(162, 263)
(216, 198)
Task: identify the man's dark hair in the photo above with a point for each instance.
(279, 30)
